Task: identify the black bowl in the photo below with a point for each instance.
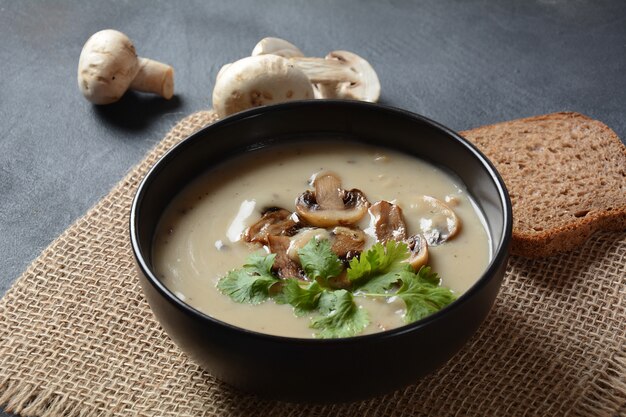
(328, 370)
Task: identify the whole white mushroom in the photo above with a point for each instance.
(341, 74)
(108, 66)
(256, 81)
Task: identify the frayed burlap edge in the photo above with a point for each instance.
(19, 396)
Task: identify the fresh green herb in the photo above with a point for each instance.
(318, 261)
(302, 299)
(250, 284)
(340, 316)
(422, 294)
(381, 271)
(378, 268)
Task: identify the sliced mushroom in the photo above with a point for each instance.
(347, 242)
(284, 266)
(388, 221)
(330, 205)
(275, 221)
(300, 239)
(276, 46)
(419, 251)
(256, 81)
(437, 221)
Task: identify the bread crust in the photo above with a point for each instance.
(566, 174)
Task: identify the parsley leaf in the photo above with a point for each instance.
(340, 316)
(373, 274)
(422, 294)
(250, 284)
(378, 268)
(302, 299)
(319, 261)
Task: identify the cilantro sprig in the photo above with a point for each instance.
(319, 262)
(378, 268)
(421, 293)
(340, 316)
(381, 271)
(250, 284)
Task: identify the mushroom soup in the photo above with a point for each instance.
(286, 202)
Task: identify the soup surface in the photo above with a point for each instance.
(199, 238)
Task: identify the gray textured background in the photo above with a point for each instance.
(463, 63)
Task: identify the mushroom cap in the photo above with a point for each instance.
(276, 46)
(367, 88)
(257, 81)
(107, 65)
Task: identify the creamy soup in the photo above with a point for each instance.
(199, 238)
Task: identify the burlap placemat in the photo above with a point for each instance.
(78, 339)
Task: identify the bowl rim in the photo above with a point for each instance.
(500, 254)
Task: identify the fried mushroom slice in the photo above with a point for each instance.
(388, 221)
(419, 251)
(389, 225)
(437, 220)
(330, 205)
(284, 266)
(275, 221)
(347, 242)
(300, 239)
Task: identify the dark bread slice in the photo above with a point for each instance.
(566, 175)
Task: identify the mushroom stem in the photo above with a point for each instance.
(365, 88)
(324, 71)
(154, 77)
(328, 191)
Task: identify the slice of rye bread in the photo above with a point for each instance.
(566, 175)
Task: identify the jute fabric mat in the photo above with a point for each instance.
(78, 339)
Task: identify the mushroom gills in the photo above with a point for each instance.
(330, 205)
(419, 251)
(326, 71)
(275, 221)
